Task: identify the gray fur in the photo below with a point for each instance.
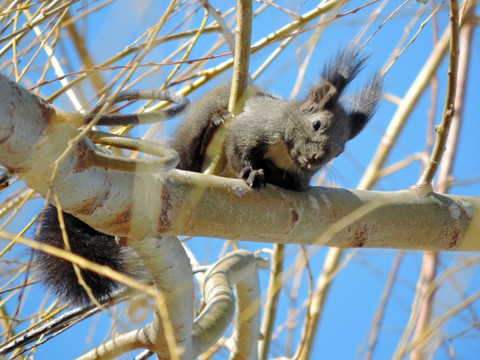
(283, 142)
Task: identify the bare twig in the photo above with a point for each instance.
(319, 297)
(446, 167)
(427, 284)
(224, 30)
(377, 322)
(449, 108)
(273, 292)
(404, 110)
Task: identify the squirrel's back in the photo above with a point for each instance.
(195, 132)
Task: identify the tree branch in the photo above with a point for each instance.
(449, 107)
(215, 159)
(32, 137)
(406, 107)
(169, 265)
(275, 284)
(237, 268)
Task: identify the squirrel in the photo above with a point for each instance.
(275, 141)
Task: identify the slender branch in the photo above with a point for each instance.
(431, 259)
(310, 304)
(403, 112)
(449, 108)
(466, 43)
(406, 107)
(379, 315)
(224, 30)
(214, 155)
(319, 297)
(275, 284)
(425, 300)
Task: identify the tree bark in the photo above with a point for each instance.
(33, 142)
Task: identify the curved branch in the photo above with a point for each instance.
(237, 268)
(182, 105)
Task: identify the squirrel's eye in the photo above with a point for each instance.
(316, 125)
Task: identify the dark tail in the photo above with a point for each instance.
(59, 275)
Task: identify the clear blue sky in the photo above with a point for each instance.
(356, 291)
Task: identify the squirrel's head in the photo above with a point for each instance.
(324, 125)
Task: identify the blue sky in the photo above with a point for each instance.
(357, 289)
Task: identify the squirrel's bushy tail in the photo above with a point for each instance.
(59, 275)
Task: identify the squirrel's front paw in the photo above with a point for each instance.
(254, 178)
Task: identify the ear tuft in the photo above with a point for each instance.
(364, 105)
(344, 67)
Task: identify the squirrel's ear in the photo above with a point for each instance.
(322, 96)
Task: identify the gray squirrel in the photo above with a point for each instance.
(283, 142)
(275, 141)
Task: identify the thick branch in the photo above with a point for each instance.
(403, 219)
(169, 265)
(32, 137)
